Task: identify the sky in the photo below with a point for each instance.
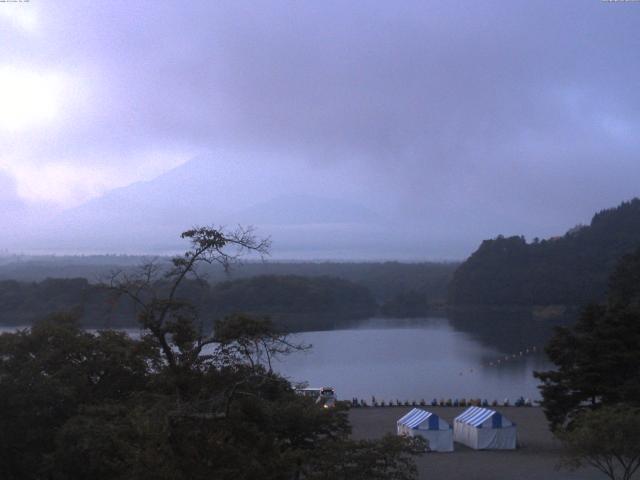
(454, 120)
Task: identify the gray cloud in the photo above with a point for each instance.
(511, 117)
(13, 213)
(8, 195)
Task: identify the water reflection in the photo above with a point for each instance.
(507, 330)
(463, 355)
(414, 359)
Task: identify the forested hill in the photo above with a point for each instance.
(568, 270)
(294, 303)
(385, 280)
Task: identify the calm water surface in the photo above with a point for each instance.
(418, 359)
(415, 360)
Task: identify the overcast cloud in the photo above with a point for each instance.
(467, 119)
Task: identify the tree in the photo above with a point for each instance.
(389, 458)
(592, 400)
(48, 373)
(607, 439)
(227, 395)
(408, 304)
(294, 298)
(169, 320)
(598, 363)
(242, 338)
(179, 403)
(569, 270)
(598, 360)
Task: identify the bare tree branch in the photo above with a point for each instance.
(153, 288)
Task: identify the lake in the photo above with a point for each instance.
(418, 359)
(422, 359)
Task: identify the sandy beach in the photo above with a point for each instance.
(536, 458)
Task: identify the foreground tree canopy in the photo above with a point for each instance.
(175, 403)
(607, 439)
(592, 400)
(598, 359)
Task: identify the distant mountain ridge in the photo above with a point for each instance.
(148, 216)
(568, 270)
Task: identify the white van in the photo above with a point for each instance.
(325, 396)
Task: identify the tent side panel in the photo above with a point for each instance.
(465, 434)
(445, 441)
(497, 438)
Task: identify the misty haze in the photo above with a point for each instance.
(319, 240)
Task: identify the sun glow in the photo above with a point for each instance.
(68, 183)
(22, 16)
(28, 98)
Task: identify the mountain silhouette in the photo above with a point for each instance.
(148, 216)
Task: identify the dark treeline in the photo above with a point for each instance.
(568, 270)
(297, 296)
(293, 302)
(385, 280)
(35, 268)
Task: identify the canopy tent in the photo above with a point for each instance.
(481, 428)
(433, 429)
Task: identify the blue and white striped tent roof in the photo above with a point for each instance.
(476, 416)
(416, 417)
